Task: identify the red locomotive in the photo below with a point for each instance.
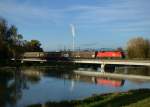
(110, 54)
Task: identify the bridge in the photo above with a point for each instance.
(102, 62)
(113, 62)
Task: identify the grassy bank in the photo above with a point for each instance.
(132, 98)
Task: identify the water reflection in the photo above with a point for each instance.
(12, 82)
(110, 82)
(25, 86)
(5, 89)
(136, 70)
(11, 85)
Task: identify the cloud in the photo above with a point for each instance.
(27, 13)
(100, 15)
(118, 14)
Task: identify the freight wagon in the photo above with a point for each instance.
(83, 54)
(33, 55)
(46, 55)
(53, 56)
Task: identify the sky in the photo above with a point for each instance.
(98, 23)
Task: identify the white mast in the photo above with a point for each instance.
(73, 36)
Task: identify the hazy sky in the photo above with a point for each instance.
(98, 23)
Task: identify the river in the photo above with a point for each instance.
(24, 86)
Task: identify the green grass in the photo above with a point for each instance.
(133, 98)
(143, 103)
(120, 99)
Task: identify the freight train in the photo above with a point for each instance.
(113, 54)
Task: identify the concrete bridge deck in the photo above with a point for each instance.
(114, 62)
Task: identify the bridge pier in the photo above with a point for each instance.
(102, 67)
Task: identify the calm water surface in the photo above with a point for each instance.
(24, 86)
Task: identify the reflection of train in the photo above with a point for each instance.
(110, 82)
(76, 54)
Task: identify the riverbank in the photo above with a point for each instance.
(10, 63)
(132, 98)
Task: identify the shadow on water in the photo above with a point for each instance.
(9, 86)
(5, 89)
(12, 82)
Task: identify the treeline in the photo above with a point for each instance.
(12, 44)
(138, 48)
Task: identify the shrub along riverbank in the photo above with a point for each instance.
(4, 63)
(132, 98)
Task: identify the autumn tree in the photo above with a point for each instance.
(138, 48)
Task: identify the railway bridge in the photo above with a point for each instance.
(113, 62)
(97, 61)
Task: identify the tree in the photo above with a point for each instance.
(12, 44)
(138, 48)
(3, 32)
(33, 46)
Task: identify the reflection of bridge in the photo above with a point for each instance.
(112, 75)
(115, 62)
(98, 61)
(33, 60)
